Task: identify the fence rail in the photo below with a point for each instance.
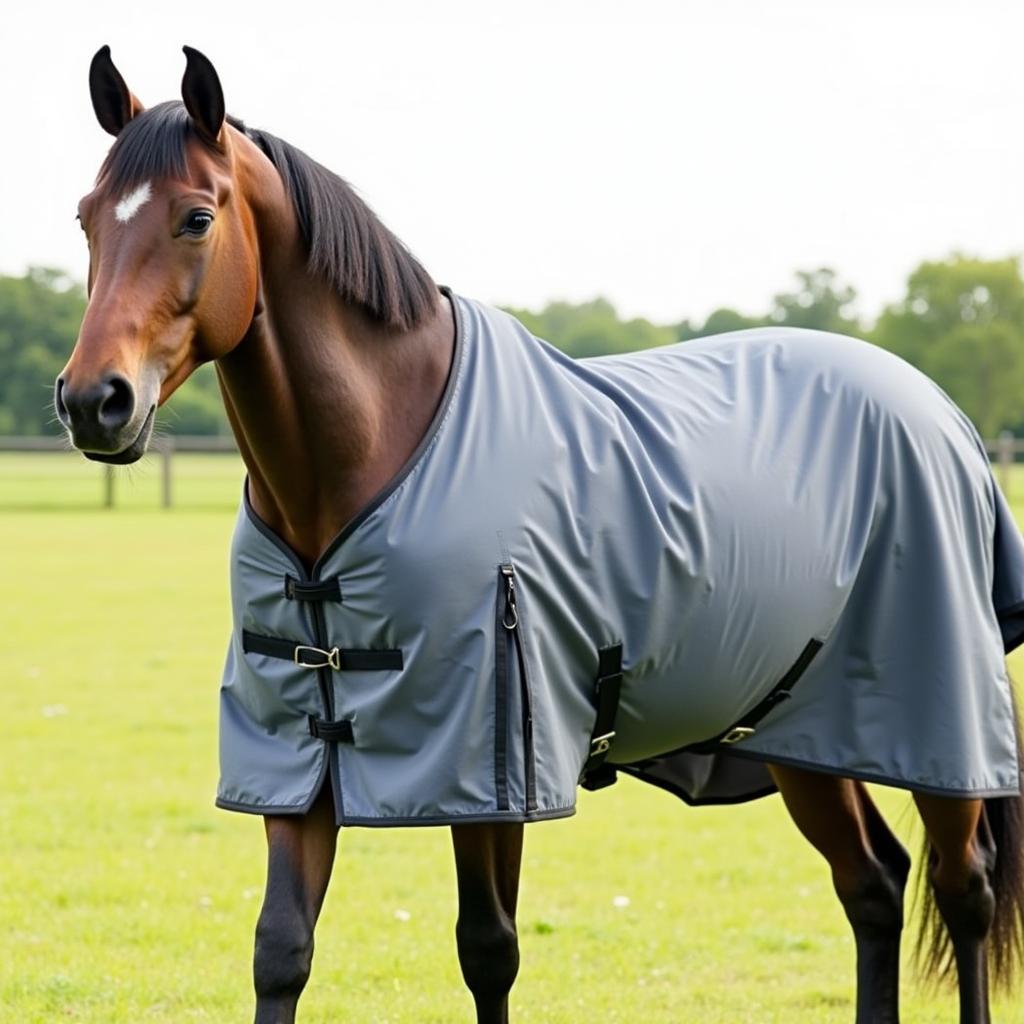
(1003, 451)
(165, 447)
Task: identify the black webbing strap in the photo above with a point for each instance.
(306, 590)
(596, 774)
(747, 725)
(341, 659)
(331, 732)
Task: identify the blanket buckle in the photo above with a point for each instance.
(601, 744)
(737, 733)
(331, 658)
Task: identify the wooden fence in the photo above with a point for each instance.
(1003, 451)
(164, 447)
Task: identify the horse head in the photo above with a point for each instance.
(173, 266)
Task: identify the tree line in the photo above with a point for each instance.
(961, 321)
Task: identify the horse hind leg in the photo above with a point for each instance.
(961, 858)
(869, 873)
(300, 855)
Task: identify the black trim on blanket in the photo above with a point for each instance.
(299, 808)
(637, 771)
(529, 756)
(677, 791)
(501, 696)
(362, 822)
(511, 624)
(881, 780)
(341, 659)
(463, 819)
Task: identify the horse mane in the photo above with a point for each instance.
(347, 244)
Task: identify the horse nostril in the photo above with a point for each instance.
(58, 403)
(97, 412)
(118, 402)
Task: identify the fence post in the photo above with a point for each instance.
(108, 486)
(1006, 447)
(166, 451)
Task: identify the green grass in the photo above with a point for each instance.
(126, 897)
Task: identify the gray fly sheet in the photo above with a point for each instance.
(720, 515)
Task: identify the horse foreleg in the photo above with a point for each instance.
(959, 869)
(869, 873)
(487, 860)
(300, 854)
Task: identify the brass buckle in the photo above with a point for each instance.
(332, 658)
(734, 735)
(601, 744)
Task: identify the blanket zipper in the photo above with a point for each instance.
(510, 639)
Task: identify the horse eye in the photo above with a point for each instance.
(198, 222)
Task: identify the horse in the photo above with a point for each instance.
(343, 370)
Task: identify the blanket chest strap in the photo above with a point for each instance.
(607, 689)
(331, 732)
(748, 724)
(341, 659)
(309, 590)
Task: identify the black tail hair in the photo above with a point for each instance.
(934, 951)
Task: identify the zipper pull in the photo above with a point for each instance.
(511, 617)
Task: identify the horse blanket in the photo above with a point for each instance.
(726, 513)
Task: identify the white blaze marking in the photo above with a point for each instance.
(132, 203)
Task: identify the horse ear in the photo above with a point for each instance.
(112, 100)
(203, 96)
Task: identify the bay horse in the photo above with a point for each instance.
(334, 349)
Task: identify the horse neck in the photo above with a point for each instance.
(326, 405)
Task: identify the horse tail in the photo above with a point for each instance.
(934, 952)
(1006, 941)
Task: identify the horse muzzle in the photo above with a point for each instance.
(103, 418)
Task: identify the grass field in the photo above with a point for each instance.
(126, 897)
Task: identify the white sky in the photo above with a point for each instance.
(673, 156)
